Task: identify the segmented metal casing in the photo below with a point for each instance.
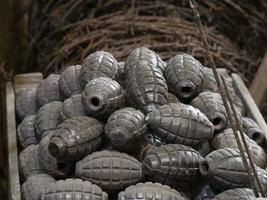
(236, 194)
(172, 98)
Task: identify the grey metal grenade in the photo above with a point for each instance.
(26, 103)
(73, 189)
(171, 162)
(148, 191)
(47, 118)
(125, 129)
(111, 170)
(73, 107)
(180, 123)
(48, 90)
(75, 138)
(102, 96)
(236, 194)
(172, 98)
(25, 131)
(69, 81)
(32, 188)
(184, 75)
(98, 64)
(146, 87)
(209, 82)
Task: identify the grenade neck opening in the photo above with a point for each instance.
(186, 89)
(257, 137)
(218, 123)
(95, 103)
(204, 167)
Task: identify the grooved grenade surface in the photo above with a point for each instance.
(172, 98)
(236, 194)
(146, 87)
(111, 170)
(75, 138)
(102, 96)
(125, 129)
(32, 188)
(98, 64)
(149, 191)
(48, 90)
(184, 75)
(73, 189)
(171, 162)
(25, 132)
(180, 123)
(47, 118)
(69, 81)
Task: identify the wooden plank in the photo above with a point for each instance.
(13, 175)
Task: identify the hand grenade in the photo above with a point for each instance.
(98, 64)
(125, 129)
(47, 118)
(227, 139)
(73, 189)
(26, 103)
(172, 98)
(25, 132)
(48, 90)
(75, 138)
(209, 81)
(171, 162)
(146, 87)
(69, 81)
(148, 191)
(49, 163)
(236, 194)
(73, 107)
(34, 185)
(102, 96)
(111, 170)
(184, 75)
(180, 123)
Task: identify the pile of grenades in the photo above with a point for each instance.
(139, 129)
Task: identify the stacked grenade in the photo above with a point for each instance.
(137, 129)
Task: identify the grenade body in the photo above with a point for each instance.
(171, 162)
(102, 96)
(125, 129)
(184, 75)
(146, 87)
(172, 98)
(69, 81)
(111, 170)
(29, 161)
(236, 194)
(25, 132)
(73, 189)
(209, 81)
(32, 188)
(180, 123)
(75, 138)
(148, 191)
(48, 90)
(98, 64)
(26, 103)
(47, 118)
(72, 107)
(226, 139)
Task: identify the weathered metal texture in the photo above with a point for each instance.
(121, 73)
(47, 118)
(226, 139)
(209, 81)
(73, 189)
(75, 138)
(98, 64)
(236, 194)
(29, 162)
(102, 96)
(149, 191)
(26, 103)
(171, 162)
(125, 129)
(25, 132)
(48, 90)
(146, 87)
(172, 98)
(205, 194)
(73, 107)
(184, 75)
(69, 81)
(34, 185)
(180, 123)
(111, 170)
(144, 53)
(49, 164)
